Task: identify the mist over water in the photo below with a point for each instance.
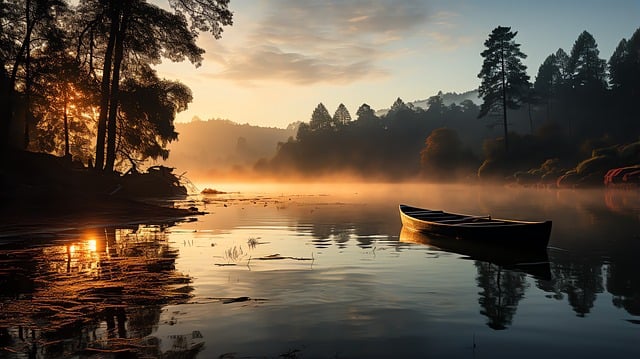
(325, 269)
(370, 292)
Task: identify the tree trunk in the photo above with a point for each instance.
(504, 100)
(105, 86)
(66, 127)
(27, 81)
(115, 94)
(6, 108)
(30, 23)
(530, 117)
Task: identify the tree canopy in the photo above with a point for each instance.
(70, 72)
(504, 78)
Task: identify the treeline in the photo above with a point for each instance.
(77, 78)
(578, 102)
(369, 145)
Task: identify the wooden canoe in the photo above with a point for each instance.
(508, 232)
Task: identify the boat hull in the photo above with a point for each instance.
(481, 229)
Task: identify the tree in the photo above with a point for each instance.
(468, 106)
(320, 118)
(624, 75)
(547, 78)
(562, 62)
(398, 106)
(624, 66)
(365, 112)
(546, 81)
(342, 116)
(619, 66)
(303, 131)
(586, 68)
(25, 25)
(443, 153)
(63, 100)
(148, 109)
(504, 77)
(436, 106)
(136, 35)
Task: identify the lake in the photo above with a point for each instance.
(326, 271)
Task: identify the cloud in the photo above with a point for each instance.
(271, 63)
(307, 42)
(448, 42)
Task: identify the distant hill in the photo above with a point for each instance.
(452, 97)
(448, 98)
(215, 147)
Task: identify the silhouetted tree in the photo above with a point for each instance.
(320, 118)
(619, 66)
(63, 99)
(365, 112)
(342, 116)
(147, 113)
(562, 62)
(436, 106)
(586, 90)
(586, 68)
(443, 154)
(469, 106)
(25, 25)
(139, 34)
(398, 106)
(624, 65)
(546, 81)
(504, 77)
(303, 131)
(624, 77)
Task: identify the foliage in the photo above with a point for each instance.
(504, 77)
(147, 113)
(573, 113)
(341, 117)
(443, 156)
(586, 69)
(69, 73)
(365, 112)
(25, 26)
(320, 118)
(370, 146)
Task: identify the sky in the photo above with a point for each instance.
(281, 58)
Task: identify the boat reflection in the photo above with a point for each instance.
(501, 273)
(532, 262)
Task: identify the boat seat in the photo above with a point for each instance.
(470, 219)
(488, 224)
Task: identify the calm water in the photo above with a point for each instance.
(325, 271)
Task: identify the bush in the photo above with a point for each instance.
(597, 165)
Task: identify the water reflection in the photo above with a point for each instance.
(501, 292)
(92, 292)
(369, 288)
(501, 272)
(534, 262)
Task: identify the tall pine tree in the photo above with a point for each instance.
(504, 78)
(586, 68)
(320, 118)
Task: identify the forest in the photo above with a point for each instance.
(577, 119)
(77, 79)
